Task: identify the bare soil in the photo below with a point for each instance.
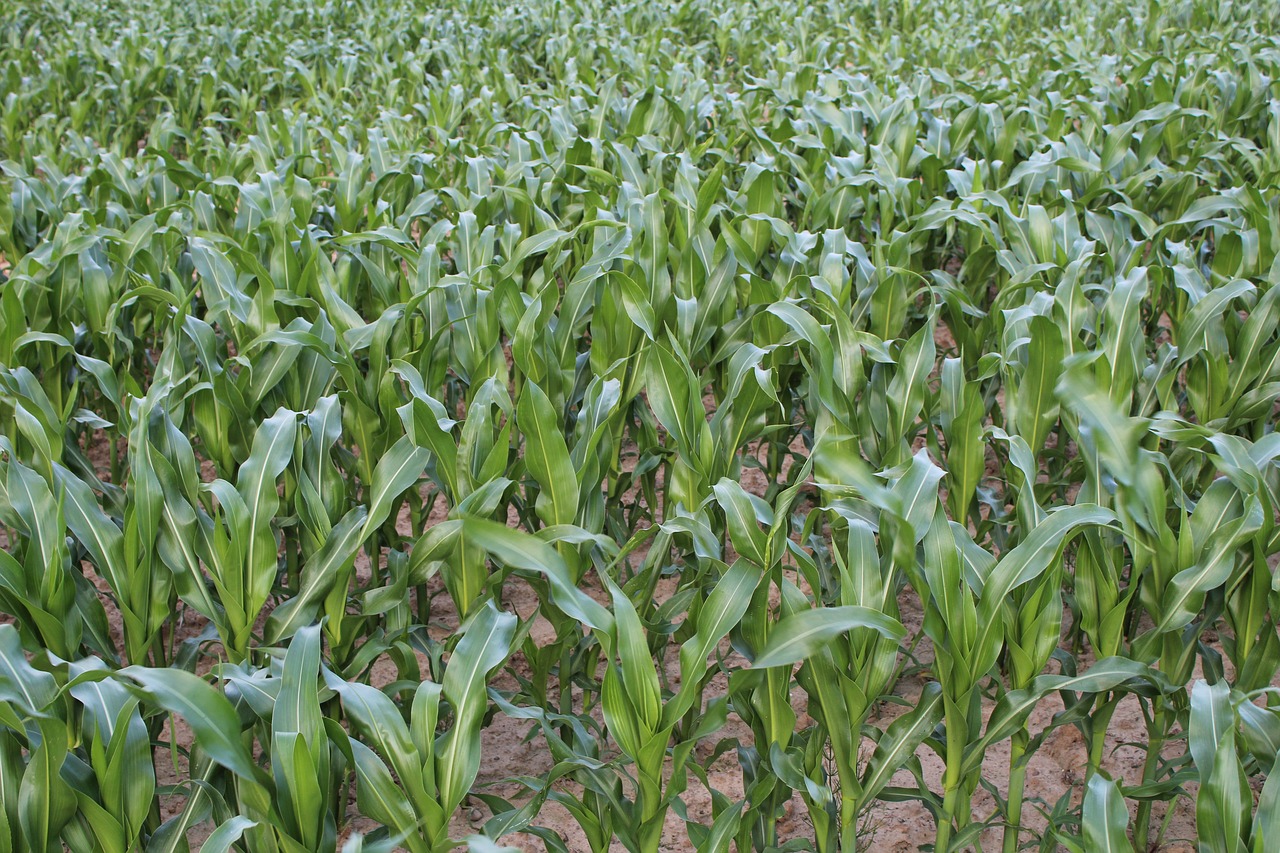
(509, 747)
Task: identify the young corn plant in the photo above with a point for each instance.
(434, 759)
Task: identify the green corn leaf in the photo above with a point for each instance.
(296, 709)
(484, 646)
(205, 709)
(1014, 707)
(319, 574)
(722, 611)
(1212, 721)
(1105, 817)
(798, 636)
(273, 445)
(26, 687)
(222, 838)
(1181, 598)
(227, 300)
(520, 550)
(1266, 823)
(639, 678)
(748, 539)
(1022, 564)
(547, 456)
(45, 801)
(378, 797)
(901, 740)
(397, 470)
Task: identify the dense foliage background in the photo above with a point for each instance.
(772, 413)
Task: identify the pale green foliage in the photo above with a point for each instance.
(719, 335)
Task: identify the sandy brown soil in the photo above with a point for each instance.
(508, 747)
(1054, 770)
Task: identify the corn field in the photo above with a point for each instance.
(715, 425)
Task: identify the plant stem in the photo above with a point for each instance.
(1142, 822)
(951, 795)
(848, 825)
(1098, 733)
(1017, 776)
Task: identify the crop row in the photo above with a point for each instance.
(726, 336)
